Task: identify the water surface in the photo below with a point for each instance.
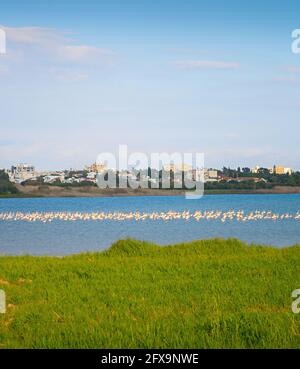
(61, 238)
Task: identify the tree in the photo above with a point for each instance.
(6, 187)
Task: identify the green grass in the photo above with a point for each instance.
(204, 294)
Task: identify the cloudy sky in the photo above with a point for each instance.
(82, 77)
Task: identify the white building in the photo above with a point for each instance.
(91, 175)
(256, 169)
(51, 178)
(289, 171)
(21, 173)
(210, 175)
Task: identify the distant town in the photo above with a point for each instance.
(26, 174)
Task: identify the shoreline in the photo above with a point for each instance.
(73, 192)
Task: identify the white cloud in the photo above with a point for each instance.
(290, 75)
(186, 50)
(33, 35)
(208, 64)
(84, 53)
(56, 44)
(69, 75)
(287, 79)
(291, 69)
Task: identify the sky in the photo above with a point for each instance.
(82, 77)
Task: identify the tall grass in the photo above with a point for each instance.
(204, 294)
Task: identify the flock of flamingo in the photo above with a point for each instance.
(219, 215)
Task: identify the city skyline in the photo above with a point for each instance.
(166, 166)
(168, 76)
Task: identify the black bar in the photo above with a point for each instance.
(133, 358)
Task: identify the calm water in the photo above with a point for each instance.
(61, 238)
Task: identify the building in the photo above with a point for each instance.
(91, 175)
(52, 178)
(23, 168)
(281, 170)
(210, 175)
(21, 173)
(177, 167)
(97, 168)
(289, 171)
(255, 169)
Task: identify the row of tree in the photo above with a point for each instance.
(275, 179)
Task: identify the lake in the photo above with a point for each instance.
(61, 237)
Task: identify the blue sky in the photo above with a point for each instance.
(82, 77)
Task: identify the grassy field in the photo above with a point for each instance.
(204, 294)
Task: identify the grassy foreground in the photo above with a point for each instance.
(204, 294)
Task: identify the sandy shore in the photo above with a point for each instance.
(91, 191)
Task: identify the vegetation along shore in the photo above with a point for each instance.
(92, 191)
(203, 294)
